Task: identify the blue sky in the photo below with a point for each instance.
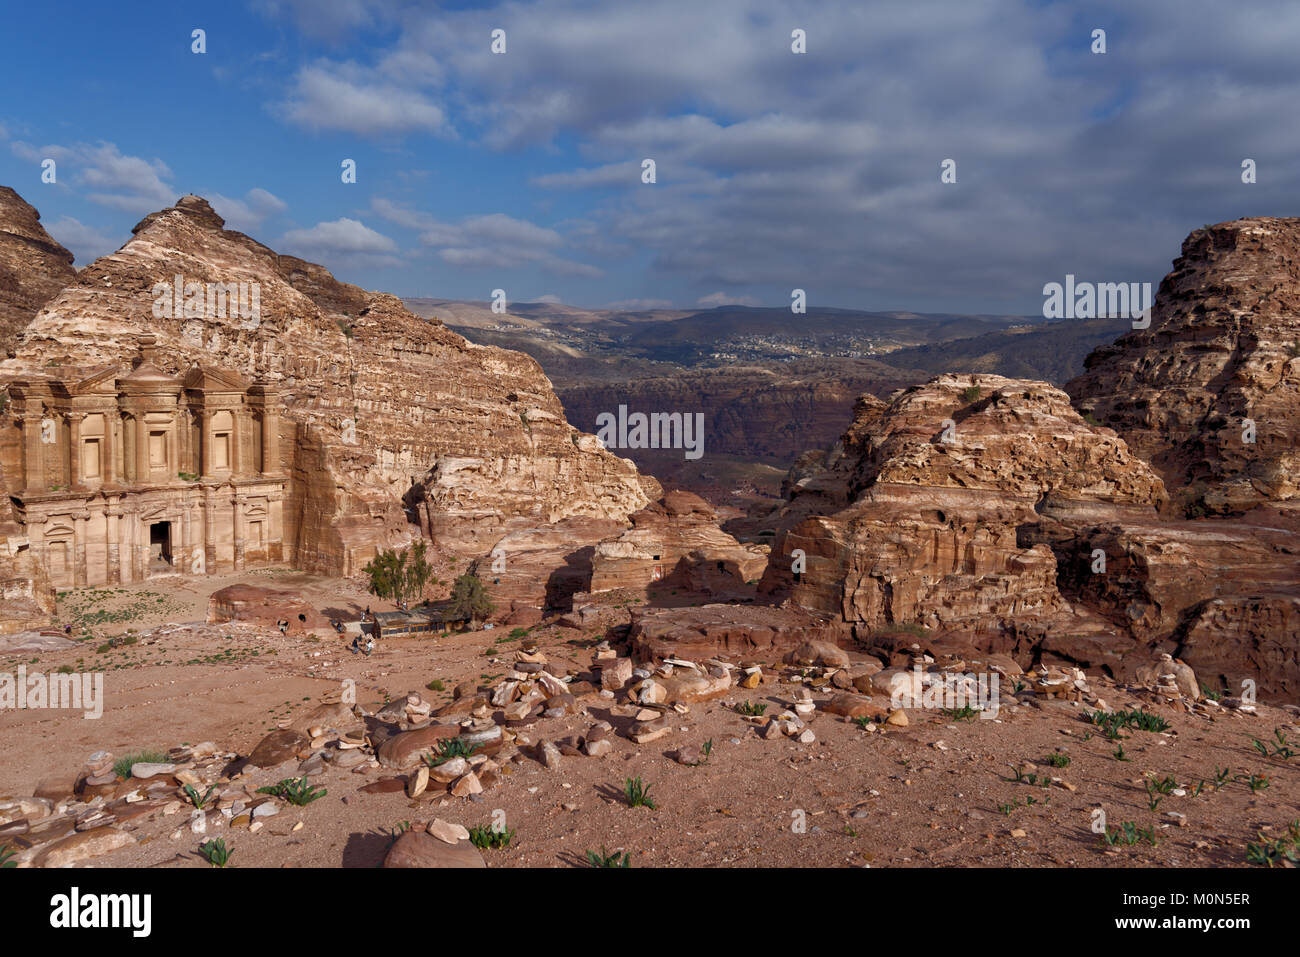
(775, 170)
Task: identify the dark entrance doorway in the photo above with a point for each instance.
(160, 546)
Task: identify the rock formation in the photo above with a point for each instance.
(391, 424)
(1223, 348)
(918, 520)
(33, 267)
(26, 596)
(676, 542)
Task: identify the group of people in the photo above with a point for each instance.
(366, 647)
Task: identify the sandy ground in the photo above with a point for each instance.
(939, 792)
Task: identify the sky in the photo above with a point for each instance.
(774, 170)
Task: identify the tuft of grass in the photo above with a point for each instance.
(6, 857)
(449, 748)
(605, 859)
(1276, 851)
(965, 713)
(1059, 760)
(750, 709)
(122, 766)
(487, 837)
(1112, 722)
(970, 393)
(638, 794)
(215, 852)
(295, 790)
(1128, 834)
(436, 685)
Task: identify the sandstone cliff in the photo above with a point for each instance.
(917, 520)
(389, 419)
(1030, 532)
(676, 543)
(33, 267)
(1223, 347)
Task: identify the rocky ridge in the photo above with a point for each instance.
(390, 419)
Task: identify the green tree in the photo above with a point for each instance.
(469, 599)
(399, 576)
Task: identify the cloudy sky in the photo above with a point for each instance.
(523, 170)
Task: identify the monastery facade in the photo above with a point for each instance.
(126, 474)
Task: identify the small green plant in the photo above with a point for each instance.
(1112, 722)
(1281, 747)
(1059, 760)
(1119, 754)
(706, 750)
(638, 794)
(215, 852)
(1128, 834)
(605, 859)
(1211, 693)
(1220, 777)
(436, 685)
(449, 748)
(1153, 797)
(200, 801)
(295, 790)
(485, 837)
(970, 393)
(518, 632)
(965, 713)
(6, 857)
(1276, 851)
(1257, 783)
(1164, 785)
(750, 709)
(1008, 808)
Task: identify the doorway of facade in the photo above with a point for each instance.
(160, 546)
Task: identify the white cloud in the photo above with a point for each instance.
(130, 183)
(491, 241)
(725, 299)
(86, 243)
(342, 242)
(354, 99)
(250, 212)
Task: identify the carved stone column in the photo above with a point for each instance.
(209, 532)
(33, 452)
(74, 447)
(112, 521)
(238, 532)
(79, 549)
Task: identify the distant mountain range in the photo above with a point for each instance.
(770, 383)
